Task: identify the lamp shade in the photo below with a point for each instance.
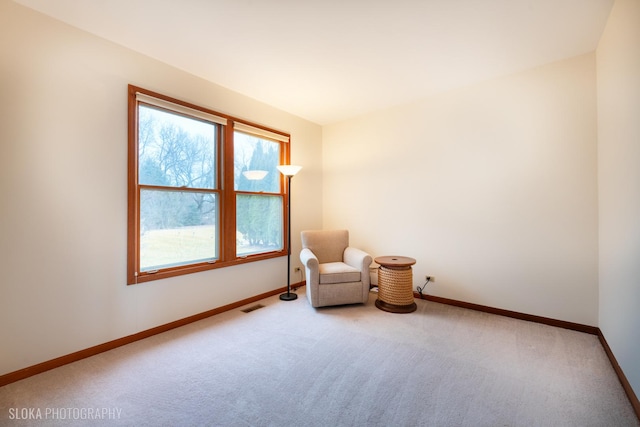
(255, 175)
(289, 170)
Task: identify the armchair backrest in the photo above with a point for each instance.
(327, 245)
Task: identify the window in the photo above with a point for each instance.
(259, 208)
(204, 191)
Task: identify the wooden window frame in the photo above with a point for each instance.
(227, 195)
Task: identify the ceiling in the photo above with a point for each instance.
(330, 60)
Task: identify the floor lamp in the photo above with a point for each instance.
(289, 171)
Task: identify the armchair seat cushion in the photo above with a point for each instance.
(338, 272)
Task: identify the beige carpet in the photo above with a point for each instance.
(288, 364)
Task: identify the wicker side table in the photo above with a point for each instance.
(395, 284)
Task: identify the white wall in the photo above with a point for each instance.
(618, 65)
(63, 192)
(492, 188)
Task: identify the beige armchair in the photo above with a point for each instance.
(336, 273)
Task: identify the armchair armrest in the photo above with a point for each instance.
(308, 258)
(361, 260)
(312, 266)
(357, 258)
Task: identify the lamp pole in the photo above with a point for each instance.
(289, 171)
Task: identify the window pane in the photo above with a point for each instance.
(259, 224)
(177, 228)
(174, 150)
(253, 154)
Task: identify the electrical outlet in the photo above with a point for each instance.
(429, 278)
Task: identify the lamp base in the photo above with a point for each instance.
(288, 296)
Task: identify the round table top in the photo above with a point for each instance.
(395, 261)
